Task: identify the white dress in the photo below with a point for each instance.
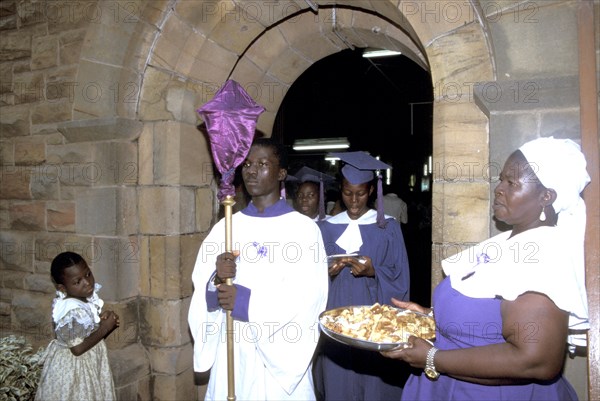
(66, 377)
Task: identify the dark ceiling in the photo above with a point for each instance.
(372, 102)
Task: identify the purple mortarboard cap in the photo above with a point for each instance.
(308, 174)
(359, 168)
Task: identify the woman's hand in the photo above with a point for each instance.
(415, 353)
(226, 267)
(413, 306)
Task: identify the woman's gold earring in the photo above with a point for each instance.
(543, 214)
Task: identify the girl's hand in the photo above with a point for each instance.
(109, 321)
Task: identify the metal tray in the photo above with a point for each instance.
(358, 343)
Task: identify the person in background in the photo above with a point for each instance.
(310, 194)
(279, 274)
(378, 273)
(76, 362)
(510, 306)
(395, 207)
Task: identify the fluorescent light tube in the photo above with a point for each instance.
(380, 53)
(321, 144)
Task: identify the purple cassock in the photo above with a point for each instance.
(230, 119)
(464, 322)
(343, 372)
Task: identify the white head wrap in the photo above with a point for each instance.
(560, 165)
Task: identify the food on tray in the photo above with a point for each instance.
(379, 323)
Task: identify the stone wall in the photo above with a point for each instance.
(100, 153)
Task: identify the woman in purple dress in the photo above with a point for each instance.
(510, 306)
(378, 273)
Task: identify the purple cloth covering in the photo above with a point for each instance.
(230, 119)
(346, 373)
(464, 322)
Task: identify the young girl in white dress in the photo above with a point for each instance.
(76, 361)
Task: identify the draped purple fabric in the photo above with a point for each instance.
(230, 119)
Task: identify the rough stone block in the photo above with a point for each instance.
(101, 129)
(206, 204)
(129, 365)
(44, 51)
(60, 216)
(209, 63)
(267, 47)
(239, 28)
(191, 47)
(529, 43)
(453, 71)
(96, 211)
(181, 155)
(288, 66)
(14, 121)
(15, 183)
(153, 105)
(30, 312)
(166, 210)
(164, 322)
(174, 388)
(70, 44)
(30, 216)
(461, 212)
(39, 283)
(461, 143)
(145, 277)
(48, 245)
(106, 211)
(172, 360)
(51, 112)
(169, 44)
(116, 262)
(15, 45)
(105, 90)
(432, 20)
(136, 390)
(127, 332)
(17, 250)
(146, 155)
(189, 246)
(30, 152)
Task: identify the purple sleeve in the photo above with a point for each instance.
(212, 299)
(242, 300)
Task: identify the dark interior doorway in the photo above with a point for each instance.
(374, 103)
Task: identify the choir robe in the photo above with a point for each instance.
(282, 288)
(343, 372)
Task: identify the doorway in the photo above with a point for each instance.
(383, 106)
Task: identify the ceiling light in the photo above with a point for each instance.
(380, 53)
(321, 144)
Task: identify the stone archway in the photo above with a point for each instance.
(140, 71)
